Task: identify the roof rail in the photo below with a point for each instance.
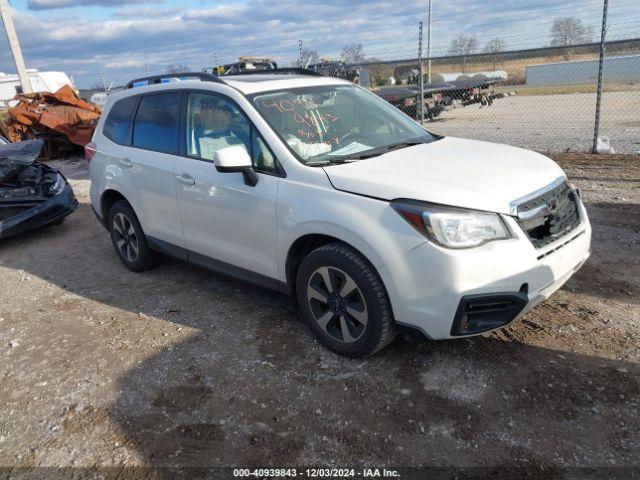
(278, 71)
(166, 78)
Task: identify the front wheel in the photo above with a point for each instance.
(344, 301)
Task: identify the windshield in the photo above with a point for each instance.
(16, 157)
(337, 123)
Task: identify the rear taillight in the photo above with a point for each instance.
(89, 151)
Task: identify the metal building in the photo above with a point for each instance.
(624, 69)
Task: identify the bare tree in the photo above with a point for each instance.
(308, 57)
(495, 46)
(379, 73)
(568, 31)
(352, 54)
(462, 47)
(178, 68)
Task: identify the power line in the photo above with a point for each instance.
(530, 39)
(490, 24)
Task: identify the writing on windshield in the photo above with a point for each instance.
(312, 122)
(335, 121)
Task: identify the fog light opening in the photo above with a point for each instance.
(484, 312)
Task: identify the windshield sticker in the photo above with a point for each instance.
(353, 147)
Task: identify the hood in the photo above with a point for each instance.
(15, 157)
(450, 171)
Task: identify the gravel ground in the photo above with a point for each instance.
(553, 123)
(181, 367)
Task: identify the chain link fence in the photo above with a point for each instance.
(519, 91)
(542, 98)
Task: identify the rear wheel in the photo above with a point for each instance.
(344, 301)
(128, 238)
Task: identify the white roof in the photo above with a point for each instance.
(249, 84)
(245, 84)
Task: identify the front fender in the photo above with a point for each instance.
(369, 225)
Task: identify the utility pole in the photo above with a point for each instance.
(429, 47)
(603, 35)
(420, 112)
(300, 53)
(15, 46)
(102, 82)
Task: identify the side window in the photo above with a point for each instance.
(214, 122)
(156, 123)
(116, 126)
(263, 159)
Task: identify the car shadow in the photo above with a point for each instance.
(245, 384)
(487, 402)
(616, 229)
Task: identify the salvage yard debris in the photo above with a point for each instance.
(61, 119)
(32, 194)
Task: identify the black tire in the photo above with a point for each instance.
(369, 299)
(138, 259)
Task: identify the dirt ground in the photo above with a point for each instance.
(179, 367)
(548, 122)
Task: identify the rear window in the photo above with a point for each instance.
(117, 124)
(156, 123)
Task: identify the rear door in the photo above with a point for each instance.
(150, 165)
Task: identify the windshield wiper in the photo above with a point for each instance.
(330, 161)
(379, 151)
(369, 154)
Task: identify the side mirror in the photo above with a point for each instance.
(236, 159)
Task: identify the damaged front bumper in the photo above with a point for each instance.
(49, 211)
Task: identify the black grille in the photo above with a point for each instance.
(550, 216)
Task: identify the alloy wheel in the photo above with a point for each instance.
(125, 237)
(337, 304)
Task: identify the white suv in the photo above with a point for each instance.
(314, 186)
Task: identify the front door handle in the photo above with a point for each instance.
(126, 163)
(185, 179)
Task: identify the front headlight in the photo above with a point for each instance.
(58, 186)
(452, 227)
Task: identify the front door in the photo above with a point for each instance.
(223, 218)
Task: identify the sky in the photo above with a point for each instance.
(124, 38)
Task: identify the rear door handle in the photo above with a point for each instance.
(126, 163)
(185, 179)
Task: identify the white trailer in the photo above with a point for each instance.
(39, 81)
